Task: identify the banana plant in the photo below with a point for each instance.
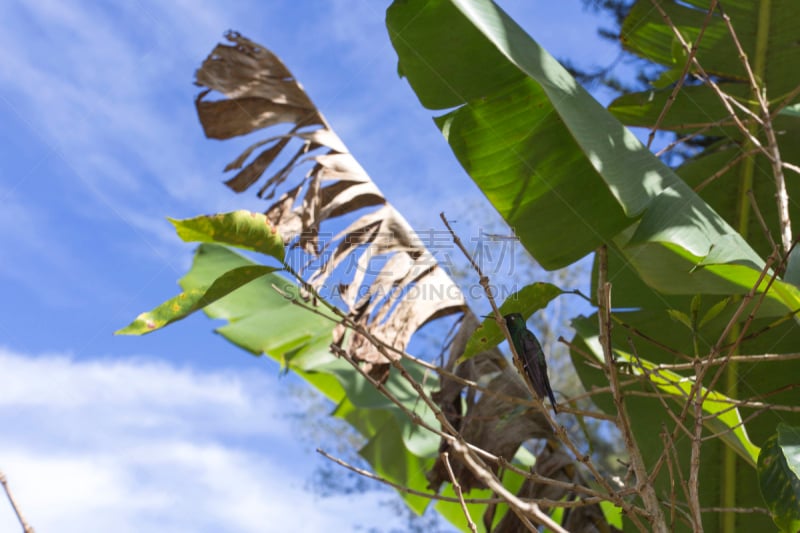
(696, 264)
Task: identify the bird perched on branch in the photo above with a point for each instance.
(531, 355)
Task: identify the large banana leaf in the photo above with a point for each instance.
(561, 170)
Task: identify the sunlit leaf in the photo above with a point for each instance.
(243, 229)
(192, 300)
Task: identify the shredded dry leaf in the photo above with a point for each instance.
(261, 92)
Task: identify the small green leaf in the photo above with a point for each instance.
(243, 229)
(191, 300)
(525, 301)
(612, 513)
(681, 317)
(779, 476)
(679, 55)
(714, 312)
(695, 308)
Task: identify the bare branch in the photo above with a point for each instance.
(521, 508)
(644, 488)
(721, 172)
(727, 101)
(759, 358)
(761, 221)
(694, 462)
(26, 528)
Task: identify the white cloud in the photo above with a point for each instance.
(140, 445)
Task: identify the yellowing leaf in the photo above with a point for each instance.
(243, 229)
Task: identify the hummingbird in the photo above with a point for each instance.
(531, 355)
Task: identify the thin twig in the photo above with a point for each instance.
(793, 168)
(769, 327)
(721, 172)
(758, 510)
(650, 339)
(689, 137)
(746, 326)
(739, 310)
(669, 445)
(727, 101)
(694, 460)
(403, 488)
(759, 358)
(787, 100)
(414, 417)
(457, 490)
(759, 403)
(761, 221)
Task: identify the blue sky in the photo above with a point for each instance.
(100, 143)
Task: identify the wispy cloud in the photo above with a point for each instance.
(106, 91)
(99, 98)
(139, 445)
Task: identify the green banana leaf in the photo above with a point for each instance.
(560, 169)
